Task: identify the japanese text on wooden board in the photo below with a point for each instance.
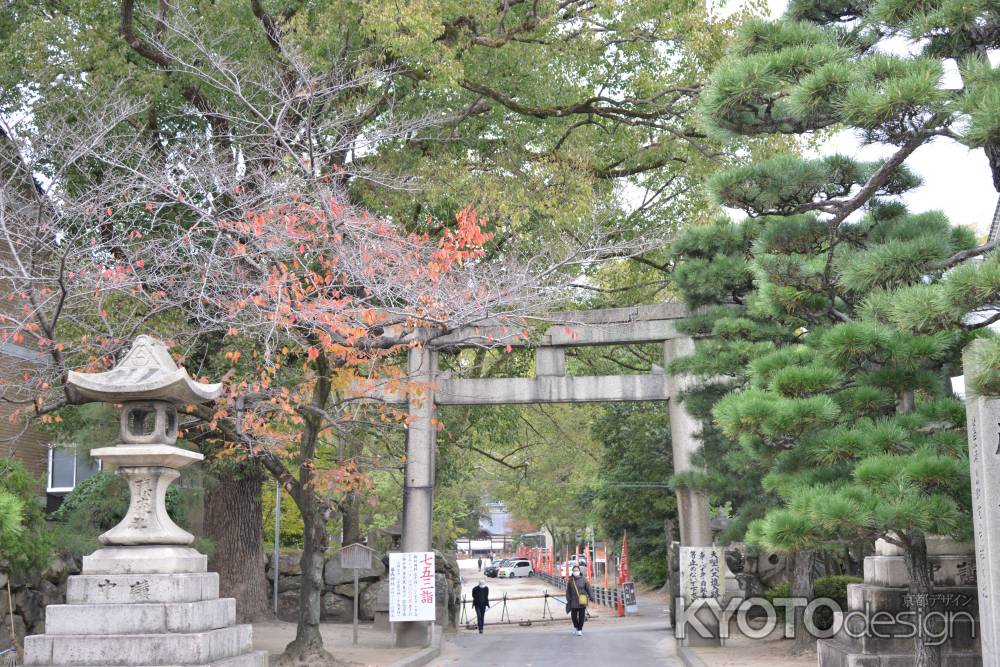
(411, 586)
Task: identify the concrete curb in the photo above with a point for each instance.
(424, 655)
(688, 657)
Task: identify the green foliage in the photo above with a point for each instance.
(981, 103)
(11, 516)
(292, 527)
(821, 422)
(636, 450)
(711, 260)
(27, 541)
(822, 64)
(893, 264)
(100, 502)
(834, 588)
(842, 424)
(983, 364)
(785, 184)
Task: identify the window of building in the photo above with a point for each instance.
(68, 467)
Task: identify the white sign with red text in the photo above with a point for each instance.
(411, 586)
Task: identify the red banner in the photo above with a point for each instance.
(623, 573)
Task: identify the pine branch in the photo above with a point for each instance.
(962, 256)
(983, 323)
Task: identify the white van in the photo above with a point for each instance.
(515, 568)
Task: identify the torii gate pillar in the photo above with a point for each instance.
(418, 485)
(692, 505)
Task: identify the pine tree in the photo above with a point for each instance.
(848, 409)
(827, 63)
(869, 442)
(713, 274)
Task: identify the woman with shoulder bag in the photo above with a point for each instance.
(577, 596)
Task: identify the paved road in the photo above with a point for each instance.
(603, 644)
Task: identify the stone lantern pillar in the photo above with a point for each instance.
(145, 597)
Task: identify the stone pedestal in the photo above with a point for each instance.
(885, 595)
(144, 619)
(982, 415)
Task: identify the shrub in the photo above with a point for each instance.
(35, 541)
(292, 527)
(650, 570)
(834, 588)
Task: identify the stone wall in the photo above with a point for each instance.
(30, 593)
(338, 588)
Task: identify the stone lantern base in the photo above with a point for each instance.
(128, 619)
(885, 593)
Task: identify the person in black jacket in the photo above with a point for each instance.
(577, 596)
(480, 602)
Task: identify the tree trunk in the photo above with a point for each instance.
(905, 402)
(921, 588)
(351, 517)
(307, 647)
(233, 519)
(802, 587)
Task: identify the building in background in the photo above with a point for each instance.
(59, 468)
(495, 532)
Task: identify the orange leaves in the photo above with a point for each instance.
(233, 356)
(313, 353)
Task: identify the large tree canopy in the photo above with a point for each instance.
(537, 113)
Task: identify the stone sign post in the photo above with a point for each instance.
(983, 423)
(145, 597)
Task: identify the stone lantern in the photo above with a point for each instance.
(145, 597)
(149, 386)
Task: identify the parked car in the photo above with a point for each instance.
(565, 568)
(491, 570)
(515, 568)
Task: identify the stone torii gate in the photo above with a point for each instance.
(614, 326)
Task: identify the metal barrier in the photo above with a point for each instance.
(606, 597)
(469, 620)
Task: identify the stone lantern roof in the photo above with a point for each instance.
(146, 373)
